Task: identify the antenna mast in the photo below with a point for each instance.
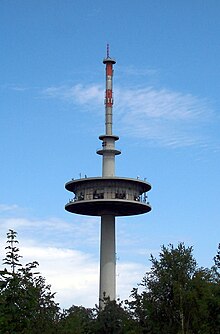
(107, 50)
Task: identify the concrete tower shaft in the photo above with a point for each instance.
(107, 283)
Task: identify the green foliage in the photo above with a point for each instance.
(177, 295)
(214, 301)
(77, 320)
(26, 302)
(217, 259)
(113, 319)
(12, 255)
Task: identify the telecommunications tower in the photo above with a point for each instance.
(108, 196)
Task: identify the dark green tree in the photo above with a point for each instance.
(214, 301)
(77, 320)
(217, 259)
(26, 303)
(176, 294)
(113, 318)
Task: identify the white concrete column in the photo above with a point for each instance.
(108, 159)
(107, 283)
(108, 165)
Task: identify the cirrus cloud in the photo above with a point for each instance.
(159, 116)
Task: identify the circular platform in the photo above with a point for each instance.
(118, 196)
(100, 207)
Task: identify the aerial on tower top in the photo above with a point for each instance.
(108, 59)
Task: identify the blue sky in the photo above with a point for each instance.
(166, 112)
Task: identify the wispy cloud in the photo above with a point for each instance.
(8, 208)
(138, 72)
(78, 94)
(83, 230)
(14, 87)
(161, 103)
(160, 116)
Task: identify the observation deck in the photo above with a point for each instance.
(118, 196)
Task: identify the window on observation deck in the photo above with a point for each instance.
(98, 194)
(81, 196)
(120, 195)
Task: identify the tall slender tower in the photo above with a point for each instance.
(108, 196)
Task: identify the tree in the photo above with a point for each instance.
(214, 302)
(114, 318)
(26, 303)
(176, 295)
(77, 320)
(168, 283)
(217, 258)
